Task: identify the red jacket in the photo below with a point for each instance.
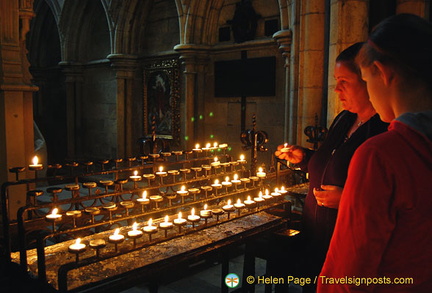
(384, 227)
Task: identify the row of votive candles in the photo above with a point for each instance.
(151, 228)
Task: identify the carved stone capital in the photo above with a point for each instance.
(124, 65)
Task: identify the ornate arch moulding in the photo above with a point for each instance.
(284, 40)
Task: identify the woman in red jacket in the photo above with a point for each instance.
(382, 239)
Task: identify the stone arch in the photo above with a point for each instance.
(49, 106)
(93, 29)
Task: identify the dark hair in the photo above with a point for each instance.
(349, 55)
(403, 41)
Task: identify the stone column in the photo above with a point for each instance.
(194, 59)
(284, 40)
(16, 107)
(349, 24)
(125, 67)
(418, 7)
(311, 60)
(74, 96)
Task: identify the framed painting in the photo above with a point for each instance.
(162, 99)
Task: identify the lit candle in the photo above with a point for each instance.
(215, 145)
(116, 237)
(242, 159)
(227, 182)
(166, 224)
(228, 207)
(197, 148)
(54, 216)
(249, 202)
(183, 191)
(134, 233)
(259, 198)
(192, 217)
(35, 162)
(77, 247)
(239, 204)
(207, 147)
(236, 181)
(179, 220)
(267, 195)
(161, 172)
(216, 162)
(150, 228)
(283, 190)
(285, 148)
(143, 200)
(223, 146)
(135, 176)
(205, 213)
(216, 184)
(261, 173)
(276, 193)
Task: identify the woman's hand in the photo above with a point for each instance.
(292, 153)
(328, 196)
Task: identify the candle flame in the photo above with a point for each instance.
(249, 198)
(235, 177)
(54, 211)
(215, 144)
(205, 206)
(179, 215)
(144, 194)
(150, 222)
(260, 194)
(216, 181)
(267, 192)
(166, 219)
(229, 202)
(276, 190)
(260, 170)
(242, 157)
(283, 188)
(216, 159)
(78, 241)
(197, 146)
(227, 179)
(285, 145)
(117, 232)
(238, 201)
(160, 169)
(183, 188)
(35, 160)
(135, 173)
(134, 226)
(208, 145)
(193, 212)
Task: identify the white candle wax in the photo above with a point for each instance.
(165, 224)
(77, 246)
(150, 228)
(228, 206)
(239, 204)
(134, 232)
(192, 217)
(116, 237)
(179, 220)
(249, 201)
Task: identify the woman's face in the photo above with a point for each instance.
(350, 88)
(377, 93)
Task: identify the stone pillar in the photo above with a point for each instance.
(311, 60)
(349, 24)
(125, 67)
(16, 108)
(194, 59)
(418, 7)
(284, 40)
(74, 96)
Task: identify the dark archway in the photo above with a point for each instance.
(49, 104)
